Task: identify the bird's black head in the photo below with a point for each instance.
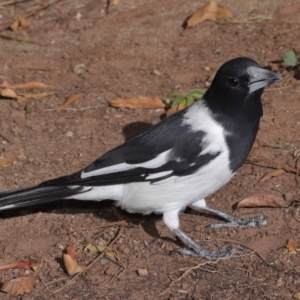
(237, 87)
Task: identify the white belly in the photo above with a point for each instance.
(176, 192)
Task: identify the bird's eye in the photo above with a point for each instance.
(233, 82)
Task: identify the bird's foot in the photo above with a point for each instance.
(233, 221)
(222, 252)
(196, 250)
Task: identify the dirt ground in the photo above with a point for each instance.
(139, 48)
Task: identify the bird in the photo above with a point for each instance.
(178, 162)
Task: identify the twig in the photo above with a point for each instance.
(18, 39)
(119, 223)
(11, 2)
(35, 68)
(244, 245)
(75, 109)
(283, 32)
(41, 8)
(92, 263)
(284, 167)
(188, 271)
(7, 26)
(56, 280)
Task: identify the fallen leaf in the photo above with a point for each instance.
(268, 200)
(71, 251)
(4, 83)
(19, 285)
(9, 93)
(116, 2)
(27, 97)
(96, 248)
(36, 267)
(71, 99)
(111, 254)
(291, 245)
(71, 265)
(210, 11)
(28, 86)
(297, 295)
(175, 109)
(138, 102)
(19, 24)
(5, 163)
(271, 174)
(18, 265)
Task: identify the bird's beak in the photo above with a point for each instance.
(260, 78)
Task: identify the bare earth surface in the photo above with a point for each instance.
(140, 49)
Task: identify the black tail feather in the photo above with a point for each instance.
(35, 195)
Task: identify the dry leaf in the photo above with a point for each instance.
(111, 254)
(96, 248)
(291, 245)
(18, 265)
(9, 93)
(28, 86)
(175, 109)
(138, 102)
(36, 267)
(19, 285)
(27, 97)
(70, 100)
(5, 163)
(271, 174)
(258, 200)
(4, 83)
(116, 2)
(297, 295)
(71, 265)
(19, 24)
(71, 251)
(210, 11)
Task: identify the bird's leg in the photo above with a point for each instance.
(171, 219)
(232, 221)
(197, 250)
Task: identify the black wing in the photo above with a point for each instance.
(131, 162)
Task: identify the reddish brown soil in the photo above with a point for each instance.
(140, 49)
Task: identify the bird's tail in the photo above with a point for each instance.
(35, 195)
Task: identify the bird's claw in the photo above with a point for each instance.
(256, 221)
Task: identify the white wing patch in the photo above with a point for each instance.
(158, 175)
(154, 163)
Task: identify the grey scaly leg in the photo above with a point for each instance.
(232, 221)
(171, 219)
(197, 250)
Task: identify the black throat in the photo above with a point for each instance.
(239, 114)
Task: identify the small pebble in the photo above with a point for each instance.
(69, 134)
(104, 261)
(142, 272)
(156, 72)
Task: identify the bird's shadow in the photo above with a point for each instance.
(132, 130)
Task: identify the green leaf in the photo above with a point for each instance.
(290, 58)
(172, 95)
(177, 100)
(197, 93)
(189, 101)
